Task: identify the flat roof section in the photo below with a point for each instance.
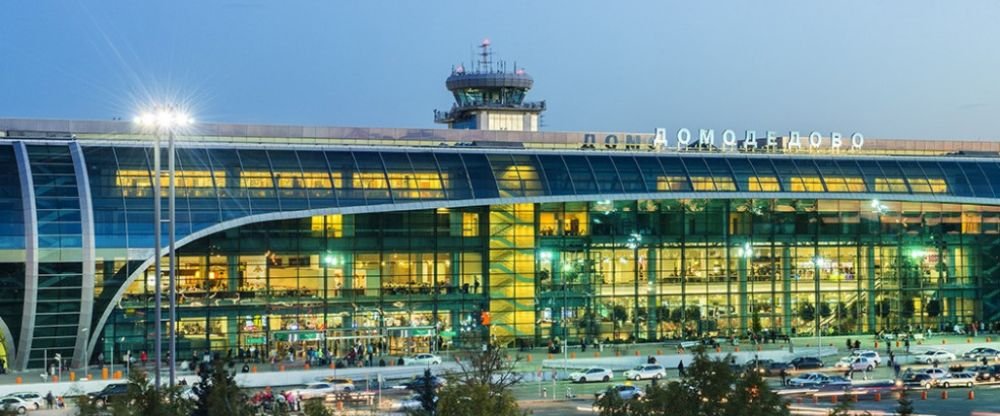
(13, 128)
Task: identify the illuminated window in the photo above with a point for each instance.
(806, 184)
(702, 183)
(724, 183)
(331, 225)
(764, 184)
(136, 182)
(256, 179)
(890, 185)
(938, 186)
(841, 184)
(670, 183)
(308, 180)
(470, 224)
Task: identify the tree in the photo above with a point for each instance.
(612, 404)
(753, 397)
(142, 399)
(481, 386)
(755, 322)
(933, 308)
(807, 312)
(427, 395)
(217, 394)
(824, 310)
(315, 407)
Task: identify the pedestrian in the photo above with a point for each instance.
(906, 343)
(143, 357)
(50, 399)
(680, 369)
(895, 368)
(849, 344)
(784, 376)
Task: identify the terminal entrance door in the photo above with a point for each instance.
(412, 340)
(298, 342)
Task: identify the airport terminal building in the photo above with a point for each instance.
(299, 237)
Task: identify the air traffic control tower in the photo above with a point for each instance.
(488, 97)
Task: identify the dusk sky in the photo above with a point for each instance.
(894, 68)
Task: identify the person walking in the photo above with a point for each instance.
(50, 399)
(784, 377)
(680, 369)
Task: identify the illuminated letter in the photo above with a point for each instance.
(632, 141)
(857, 141)
(611, 141)
(683, 138)
(794, 140)
(728, 139)
(659, 139)
(772, 139)
(589, 140)
(750, 139)
(815, 139)
(706, 137)
(835, 141)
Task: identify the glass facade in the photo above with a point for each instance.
(313, 244)
(613, 270)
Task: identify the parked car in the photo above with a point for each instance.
(935, 356)
(917, 381)
(809, 380)
(936, 373)
(314, 390)
(35, 399)
(806, 363)
(626, 392)
(964, 378)
(757, 365)
(646, 371)
(988, 373)
(591, 374)
(856, 363)
(982, 352)
(422, 359)
(109, 392)
(410, 403)
(419, 381)
(870, 355)
(340, 384)
(774, 369)
(15, 404)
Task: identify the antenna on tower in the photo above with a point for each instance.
(485, 61)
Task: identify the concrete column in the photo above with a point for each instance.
(653, 319)
(745, 309)
(870, 279)
(786, 288)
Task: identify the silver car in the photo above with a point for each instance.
(646, 371)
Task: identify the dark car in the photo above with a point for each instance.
(988, 373)
(775, 368)
(757, 365)
(806, 363)
(917, 381)
(109, 392)
(417, 382)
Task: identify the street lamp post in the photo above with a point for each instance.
(167, 119)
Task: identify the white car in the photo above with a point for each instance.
(936, 373)
(33, 398)
(422, 359)
(315, 390)
(340, 384)
(935, 356)
(856, 363)
(870, 355)
(591, 374)
(410, 403)
(963, 378)
(646, 371)
(809, 380)
(15, 404)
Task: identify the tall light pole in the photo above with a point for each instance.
(167, 120)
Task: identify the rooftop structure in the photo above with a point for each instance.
(488, 97)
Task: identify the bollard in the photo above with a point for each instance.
(118, 375)
(759, 348)
(972, 395)
(878, 396)
(55, 379)
(659, 351)
(281, 367)
(923, 395)
(72, 376)
(897, 344)
(528, 358)
(968, 340)
(572, 354)
(988, 339)
(254, 369)
(18, 380)
(597, 354)
(876, 345)
(944, 394)
(307, 366)
(636, 353)
(736, 349)
(334, 365)
(833, 399)
(718, 349)
(550, 355)
(104, 373)
(944, 341)
(618, 353)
